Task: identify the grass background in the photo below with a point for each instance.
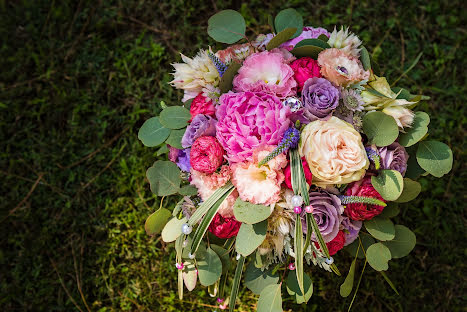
(80, 77)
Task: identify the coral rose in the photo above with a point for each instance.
(360, 211)
(266, 72)
(202, 105)
(206, 154)
(305, 68)
(247, 120)
(334, 152)
(224, 227)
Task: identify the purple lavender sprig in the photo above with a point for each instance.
(374, 157)
(360, 199)
(221, 67)
(289, 140)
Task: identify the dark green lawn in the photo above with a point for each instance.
(78, 78)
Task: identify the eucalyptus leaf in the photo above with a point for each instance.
(323, 37)
(163, 150)
(294, 289)
(389, 184)
(271, 23)
(164, 178)
(175, 138)
(313, 42)
(417, 131)
(172, 230)
(435, 157)
(307, 51)
(367, 241)
(227, 26)
(347, 285)
(188, 190)
(413, 168)
(224, 255)
(175, 117)
(156, 221)
(256, 279)
(410, 192)
(247, 212)
(210, 268)
(250, 236)
(381, 129)
(190, 276)
(270, 299)
(365, 58)
(225, 85)
(378, 256)
(280, 38)
(390, 211)
(380, 228)
(152, 132)
(403, 242)
(289, 18)
(298, 248)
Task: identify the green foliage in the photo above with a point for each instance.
(164, 177)
(389, 184)
(175, 117)
(256, 279)
(347, 285)
(365, 58)
(294, 289)
(250, 236)
(378, 256)
(307, 50)
(380, 228)
(172, 229)
(410, 192)
(289, 18)
(280, 38)
(209, 268)
(225, 84)
(435, 157)
(156, 221)
(247, 212)
(403, 242)
(313, 42)
(153, 133)
(270, 299)
(381, 129)
(227, 26)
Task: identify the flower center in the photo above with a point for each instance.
(342, 70)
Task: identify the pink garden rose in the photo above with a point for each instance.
(266, 72)
(206, 154)
(305, 68)
(202, 105)
(247, 120)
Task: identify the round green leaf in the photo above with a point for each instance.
(175, 117)
(226, 83)
(280, 38)
(410, 192)
(381, 129)
(294, 290)
(224, 255)
(413, 168)
(172, 230)
(403, 242)
(270, 299)
(380, 228)
(347, 285)
(190, 276)
(289, 18)
(175, 138)
(156, 221)
(307, 51)
(152, 132)
(164, 178)
(367, 241)
(188, 190)
(365, 58)
(313, 42)
(250, 236)
(378, 256)
(435, 157)
(227, 26)
(200, 252)
(210, 268)
(250, 213)
(390, 211)
(256, 279)
(389, 184)
(417, 131)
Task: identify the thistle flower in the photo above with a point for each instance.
(347, 41)
(373, 156)
(352, 100)
(289, 140)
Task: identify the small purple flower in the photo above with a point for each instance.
(394, 157)
(201, 125)
(351, 229)
(319, 98)
(307, 33)
(183, 161)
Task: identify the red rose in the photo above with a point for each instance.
(202, 105)
(224, 227)
(306, 170)
(206, 154)
(336, 244)
(360, 211)
(305, 68)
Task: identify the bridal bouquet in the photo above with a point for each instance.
(287, 149)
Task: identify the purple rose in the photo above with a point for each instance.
(351, 229)
(327, 211)
(307, 33)
(319, 98)
(201, 125)
(394, 157)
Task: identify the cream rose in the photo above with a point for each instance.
(334, 152)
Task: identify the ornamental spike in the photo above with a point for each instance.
(374, 157)
(289, 140)
(221, 67)
(345, 200)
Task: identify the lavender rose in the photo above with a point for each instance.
(351, 229)
(319, 98)
(394, 157)
(201, 125)
(327, 211)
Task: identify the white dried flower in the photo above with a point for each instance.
(346, 41)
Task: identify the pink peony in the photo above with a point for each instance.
(202, 105)
(206, 154)
(341, 69)
(304, 69)
(207, 184)
(247, 120)
(266, 72)
(260, 185)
